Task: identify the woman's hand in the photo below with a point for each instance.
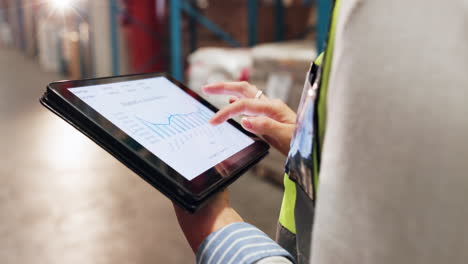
(270, 118)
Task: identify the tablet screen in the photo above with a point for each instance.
(167, 121)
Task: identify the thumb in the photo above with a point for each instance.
(277, 134)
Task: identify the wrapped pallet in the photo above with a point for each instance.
(49, 44)
(211, 65)
(6, 38)
(280, 68)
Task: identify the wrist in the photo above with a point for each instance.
(211, 218)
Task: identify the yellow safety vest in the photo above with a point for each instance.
(287, 218)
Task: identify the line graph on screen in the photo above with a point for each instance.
(178, 123)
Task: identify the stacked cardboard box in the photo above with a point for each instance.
(232, 17)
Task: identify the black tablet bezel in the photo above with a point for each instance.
(199, 186)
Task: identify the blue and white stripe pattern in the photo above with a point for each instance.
(238, 243)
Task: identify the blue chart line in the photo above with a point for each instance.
(178, 123)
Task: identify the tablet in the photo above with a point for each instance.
(159, 128)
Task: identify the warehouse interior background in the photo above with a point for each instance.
(62, 198)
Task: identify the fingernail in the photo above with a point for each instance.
(246, 122)
(212, 122)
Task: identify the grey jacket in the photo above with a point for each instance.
(394, 173)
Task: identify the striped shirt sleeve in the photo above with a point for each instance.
(239, 243)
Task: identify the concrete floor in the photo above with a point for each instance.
(64, 200)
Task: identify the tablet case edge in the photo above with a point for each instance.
(116, 153)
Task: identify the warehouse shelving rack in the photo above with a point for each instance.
(179, 7)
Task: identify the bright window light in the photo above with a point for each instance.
(61, 5)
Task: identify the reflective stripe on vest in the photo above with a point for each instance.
(287, 218)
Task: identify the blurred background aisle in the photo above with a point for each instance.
(64, 200)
